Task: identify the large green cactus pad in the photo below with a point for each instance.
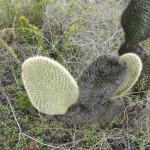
(49, 85)
(134, 68)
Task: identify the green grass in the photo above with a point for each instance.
(73, 33)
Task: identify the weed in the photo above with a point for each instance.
(34, 10)
(142, 83)
(32, 34)
(139, 142)
(11, 13)
(9, 49)
(22, 99)
(116, 123)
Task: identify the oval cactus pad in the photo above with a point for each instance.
(50, 87)
(134, 68)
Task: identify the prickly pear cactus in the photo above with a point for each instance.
(134, 68)
(52, 90)
(49, 85)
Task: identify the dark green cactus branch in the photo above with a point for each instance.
(136, 21)
(101, 80)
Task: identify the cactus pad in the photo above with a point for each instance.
(50, 87)
(100, 80)
(134, 68)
